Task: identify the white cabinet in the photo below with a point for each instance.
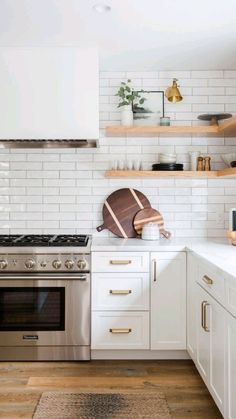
(120, 300)
(230, 290)
(210, 359)
(230, 366)
(192, 270)
(168, 300)
(120, 330)
(120, 262)
(117, 291)
(212, 281)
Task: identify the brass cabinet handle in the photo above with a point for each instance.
(207, 280)
(154, 270)
(202, 314)
(206, 328)
(120, 330)
(120, 262)
(120, 292)
(204, 305)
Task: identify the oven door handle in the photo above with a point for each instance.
(76, 277)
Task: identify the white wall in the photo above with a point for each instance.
(51, 191)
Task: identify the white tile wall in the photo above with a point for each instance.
(63, 190)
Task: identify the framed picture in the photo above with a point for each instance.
(151, 110)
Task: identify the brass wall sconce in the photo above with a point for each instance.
(172, 93)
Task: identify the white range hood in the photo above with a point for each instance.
(49, 97)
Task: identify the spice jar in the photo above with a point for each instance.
(200, 166)
(207, 163)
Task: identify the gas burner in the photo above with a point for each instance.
(70, 240)
(47, 240)
(9, 240)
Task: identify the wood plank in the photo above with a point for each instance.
(228, 127)
(230, 171)
(161, 173)
(186, 394)
(119, 130)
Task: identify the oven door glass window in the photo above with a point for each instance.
(31, 308)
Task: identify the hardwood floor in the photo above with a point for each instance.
(21, 384)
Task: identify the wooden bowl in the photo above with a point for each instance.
(232, 237)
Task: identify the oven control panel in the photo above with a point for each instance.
(64, 262)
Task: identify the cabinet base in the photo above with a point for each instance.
(138, 354)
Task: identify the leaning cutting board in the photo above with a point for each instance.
(150, 215)
(119, 210)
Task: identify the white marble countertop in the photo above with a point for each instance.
(216, 251)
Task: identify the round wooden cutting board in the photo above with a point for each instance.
(150, 215)
(119, 210)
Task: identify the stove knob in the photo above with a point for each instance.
(81, 264)
(43, 264)
(56, 264)
(69, 263)
(3, 264)
(30, 263)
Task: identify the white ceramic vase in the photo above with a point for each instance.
(193, 159)
(126, 115)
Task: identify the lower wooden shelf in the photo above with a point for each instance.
(229, 172)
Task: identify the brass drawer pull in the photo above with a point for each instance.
(120, 262)
(207, 280)
(120, 331)
(202, 314)
(204, 305)
(120, 292)
(206, 328)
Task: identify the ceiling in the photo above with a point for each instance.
(135, 34)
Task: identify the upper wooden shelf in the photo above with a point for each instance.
(227, 128)
(229, 172)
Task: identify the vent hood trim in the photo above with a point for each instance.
(47, 143)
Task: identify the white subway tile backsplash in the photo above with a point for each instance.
(63, 190)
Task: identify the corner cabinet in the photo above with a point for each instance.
(192, 270)
(210, 359)
(168, 300)
(230, 366)
(211, 330)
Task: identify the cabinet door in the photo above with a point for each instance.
(231, 366)
(211, 344)
(168, 300)
(192, 271)
(203, 336)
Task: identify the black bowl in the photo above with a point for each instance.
(233, 164)
(167, 166)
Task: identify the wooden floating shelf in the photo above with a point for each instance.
(227, 128)
(229, 172)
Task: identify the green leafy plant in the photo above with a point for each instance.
(128, 95)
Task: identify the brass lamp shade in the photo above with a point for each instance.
(172, 93)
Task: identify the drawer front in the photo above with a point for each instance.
(119, 330)
(120, 262)
(230, 288)
(120, 291)
(212, 282)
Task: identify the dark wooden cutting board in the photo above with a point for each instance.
(119, 210)
(150, 215)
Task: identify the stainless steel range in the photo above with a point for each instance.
(45, 297)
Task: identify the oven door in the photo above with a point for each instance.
(44, 310)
